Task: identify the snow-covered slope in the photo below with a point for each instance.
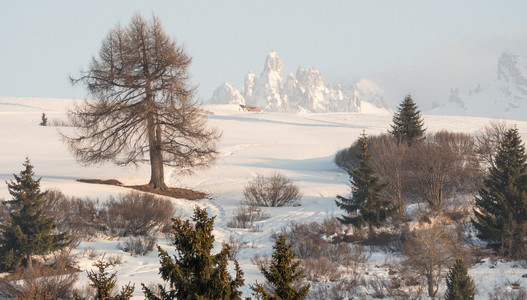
(301, 146)
(505, 97)
(304, 91)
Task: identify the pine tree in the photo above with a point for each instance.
(281, 275)
(44, 121)
(194, 273)
(104, 283)
(365, 206)
(29, 232)
(501, 207)
(459, 284)
(407, 123)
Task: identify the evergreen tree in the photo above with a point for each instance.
(365, 206)
(104, 283)
(501, 207)
(29, 232)
(44, 121)
(281, 275)
(194, 273)
(407, 123)
(459, 284)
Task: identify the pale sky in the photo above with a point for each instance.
(418, 47)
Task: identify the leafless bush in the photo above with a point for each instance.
(429, 252)
(58, 123)
(273, 191)
(508, 291)
(80, 217)
(342, 290)
(320, 269)
(236, 245)
(311, 240)
(138, 246)
(246, 216)
(261, 261)
(38, 283)
(90, 252)
(138, 214)
(115, 260)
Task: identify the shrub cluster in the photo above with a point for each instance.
(275, 190)
(431, 171)
(246, 217)
(127, 215)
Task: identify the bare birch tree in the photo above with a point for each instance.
(144, 105)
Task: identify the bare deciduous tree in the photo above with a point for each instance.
(445, 163)
(145, 105)
(429, 253)
(487, 142)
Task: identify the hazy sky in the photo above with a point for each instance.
(422, 47)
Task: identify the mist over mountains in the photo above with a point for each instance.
(503, 98)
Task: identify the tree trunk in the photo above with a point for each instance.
(29, 263)
(157, 175)
(430, 281)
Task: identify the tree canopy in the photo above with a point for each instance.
(407, 122)
(144, 105)
(30, 231)
(500, 215)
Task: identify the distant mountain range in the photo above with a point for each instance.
(504, 98)
(304, 91)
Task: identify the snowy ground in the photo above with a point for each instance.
(301, 146)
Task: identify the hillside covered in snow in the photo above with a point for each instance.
(300, 146)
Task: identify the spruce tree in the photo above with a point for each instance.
(500, 213)
(194, 273)
(365, 207)
(44, 121)
(459, 284)
(29, 231)
(104, 283)
(281, 275)
(407, 124)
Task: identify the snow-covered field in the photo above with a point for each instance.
(301, 146)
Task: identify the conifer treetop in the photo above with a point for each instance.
(407, 122)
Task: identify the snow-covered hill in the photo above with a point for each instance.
(304, 91)
(301, 146)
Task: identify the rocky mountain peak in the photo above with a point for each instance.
(273, 63)
(306, 92)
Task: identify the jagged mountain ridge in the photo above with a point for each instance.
(505, 97)
(304, 91)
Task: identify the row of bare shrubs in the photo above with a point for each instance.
(136, 217)
(126, 215)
